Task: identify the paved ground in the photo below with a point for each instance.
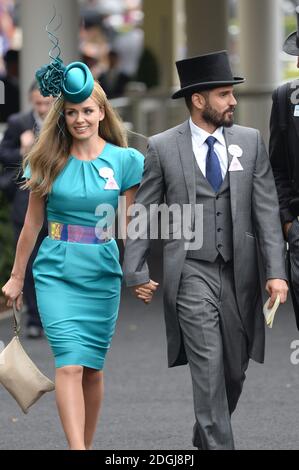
(148, 406)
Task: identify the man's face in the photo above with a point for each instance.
(40, 104)
(219, 107)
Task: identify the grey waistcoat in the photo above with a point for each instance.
(217, 220)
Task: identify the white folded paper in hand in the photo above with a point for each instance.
(269, 313)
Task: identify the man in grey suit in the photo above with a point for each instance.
(212, 293)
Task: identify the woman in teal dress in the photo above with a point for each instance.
(79, 164)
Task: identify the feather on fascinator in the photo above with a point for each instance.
(74, 81)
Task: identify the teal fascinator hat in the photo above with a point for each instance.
(74, 82)
(77, 83)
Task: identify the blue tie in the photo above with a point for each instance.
(213, 169)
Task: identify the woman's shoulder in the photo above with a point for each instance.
(126, 152)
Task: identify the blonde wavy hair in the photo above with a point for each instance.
(50, 153)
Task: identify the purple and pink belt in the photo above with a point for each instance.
(76, 233)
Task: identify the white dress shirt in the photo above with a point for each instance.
(200, 147)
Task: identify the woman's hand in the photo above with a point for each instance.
(146, 291)
(13, 292)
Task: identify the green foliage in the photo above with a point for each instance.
(6, 241)
(290, 25)
(290, 74)
(148, 70)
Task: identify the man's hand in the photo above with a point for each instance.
(146, 291)
(286, 228)
(27, 140)
(275, 287)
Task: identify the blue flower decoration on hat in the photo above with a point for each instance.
(50, 78)
(74, 82)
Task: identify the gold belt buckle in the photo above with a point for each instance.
(55, 230)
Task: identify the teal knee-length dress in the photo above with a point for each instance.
(78, 284)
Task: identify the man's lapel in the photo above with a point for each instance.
(233, 175)
(184, 141)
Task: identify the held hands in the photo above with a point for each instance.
(275, 287)
(12, 291)
(145, 292)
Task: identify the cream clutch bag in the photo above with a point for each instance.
(19, 375)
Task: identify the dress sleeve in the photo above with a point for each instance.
(132, 169)
(27, 173)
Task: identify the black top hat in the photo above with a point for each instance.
(291, 44)
(205, 72)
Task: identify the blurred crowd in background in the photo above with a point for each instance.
(110, 43)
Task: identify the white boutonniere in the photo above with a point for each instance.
(235, 151)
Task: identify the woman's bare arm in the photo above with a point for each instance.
(129, 201)
(33, 223)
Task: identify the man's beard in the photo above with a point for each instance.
(211, 116)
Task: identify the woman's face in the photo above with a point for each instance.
(82, 119)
